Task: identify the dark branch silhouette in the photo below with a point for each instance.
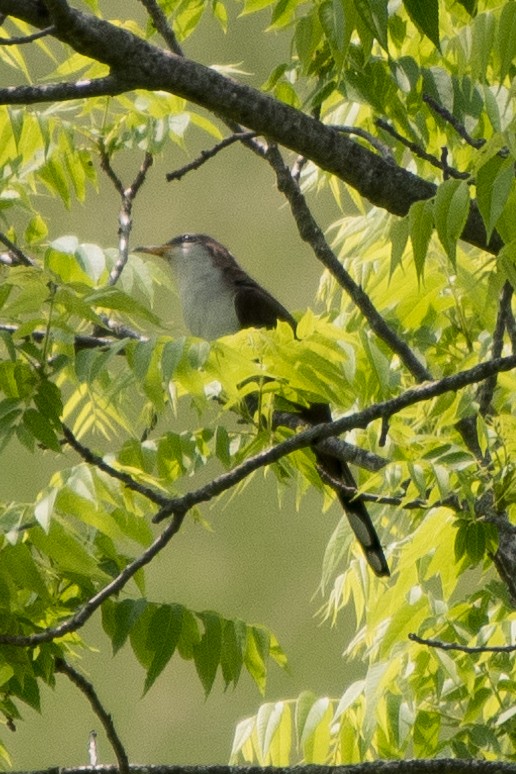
(88, 690)
(421, 153)
(464, 648)
(135, 63)
(23, 39)
(206, 155)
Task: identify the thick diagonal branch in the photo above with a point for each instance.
(138, 64)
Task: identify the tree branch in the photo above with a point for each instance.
(450, 119)
(310, 232)
(433, 765)
(94, 459)
(23, 39)
(464, 648)
(377, 144)
(127, 196)
(162, 26)
(108, 86)
(89, 691)
(417, 150)
(19, 255)
(316, 433)
(336, 447)
(138, 64)
(205, 155)
(179, 506)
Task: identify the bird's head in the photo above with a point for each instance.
(193, 247)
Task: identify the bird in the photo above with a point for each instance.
(218, 298)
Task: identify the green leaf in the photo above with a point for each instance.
(304, 704)
(470, 6)
(92, 260)
(190, 635)
(451, 210)
(52, 174)
(506, 260)
(421, 223)
(18, 561)
(425, 15)
(283, 13)
(475, 542)
(42, 430)
(113, 298)
(399, 235)
(163, 632)
(234, 640)
(307, 37)
(36, 230)
(48, 401)
(427, 726)
(494, 180)
(71, 555)
(336, 29)
(507, 38)
(374, 15)
(207, 652)
(269, 724)
(44, 508)
(256, 654)
(483, 30)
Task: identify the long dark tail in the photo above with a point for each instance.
(358, 516)
(334, 472)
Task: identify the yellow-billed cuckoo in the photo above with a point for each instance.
(219, 298)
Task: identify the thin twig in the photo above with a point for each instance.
(205, 155)
(297, 168)
(18, 41)
(94, 459)
(18, 254)
(105, 163)
(377, 144)
(454, 122)
(417, 150)
(350, 491)
(464, 648)
(81, 341)
(127, 196)
(336, 447)
(88, 690)
(162, 26)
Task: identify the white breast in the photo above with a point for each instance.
(207, 302)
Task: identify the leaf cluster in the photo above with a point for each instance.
(79, 349)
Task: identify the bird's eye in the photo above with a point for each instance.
(188, 238)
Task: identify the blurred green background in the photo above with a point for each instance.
(262, 559)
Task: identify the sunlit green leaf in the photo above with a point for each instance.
(425, 15)
(451, 209)
(494, 181)
(421, 221)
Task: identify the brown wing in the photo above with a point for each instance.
(256, 308)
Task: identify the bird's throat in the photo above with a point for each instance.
(207, 299)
